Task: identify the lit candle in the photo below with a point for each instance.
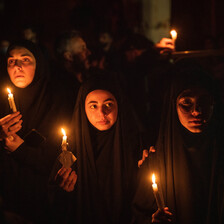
(64, 140)
(158, 197)
(11, 101)
(173, 34)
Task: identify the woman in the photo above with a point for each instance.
(107, 146)
(188, 161)
(28, 146)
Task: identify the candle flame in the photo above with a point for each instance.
(63, 132)
(153, 178)
(9, 91)
(173, 34)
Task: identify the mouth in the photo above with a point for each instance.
(197, 122)
(103, 122)
(19, 76)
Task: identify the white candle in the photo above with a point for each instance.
(173, 34)
(158, 197)
(64, 140)
(11, 101)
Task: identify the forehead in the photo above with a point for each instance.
(99, 95)
(20, 51)
(194, 92)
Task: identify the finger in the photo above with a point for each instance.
(8, 117)
(15, 127)
(140, 163)
(13, 120)
(70, 183)
(15, 130)
(65, 176)
(60, 172)
(152, 149)
(10, 123)
(145, 154)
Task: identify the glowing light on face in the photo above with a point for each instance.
(21, 66)
(101, 109)
(194, 109)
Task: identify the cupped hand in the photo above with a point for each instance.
(10, 124)
(12, 142)
(162, 216)
(66, 179)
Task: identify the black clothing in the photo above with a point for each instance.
(106, 163)
(188, 165)
(24, 172)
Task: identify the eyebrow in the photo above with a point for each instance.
(23, 55)
(109, 99)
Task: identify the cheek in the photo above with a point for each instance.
(31, 72)
(114, 116)
(10, 70)
(90, 116)
(183, 118)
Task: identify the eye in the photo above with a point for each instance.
(186, 101)
(26, 60)
(93, 106)
(11, 61)
(108, 105)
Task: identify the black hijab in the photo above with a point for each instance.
(106, 160)
(188, 166)
(34, 101)
(25, 171)
(191, 162)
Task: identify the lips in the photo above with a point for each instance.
(196, 122)
(103, 122)
(19, 76)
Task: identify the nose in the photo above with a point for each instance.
(196, 110)
(102, 112)
(18, 63)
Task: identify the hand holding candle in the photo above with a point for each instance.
(66, 158)
(11, 101)
(157, 194)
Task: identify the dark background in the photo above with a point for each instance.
(195, 20)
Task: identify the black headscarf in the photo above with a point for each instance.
(189, 165)
(25, 171)
(106, 160)
(34, 101)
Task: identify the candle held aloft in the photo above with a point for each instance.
(11, 101)
(64, 140)
(158, 196)
(173, 34)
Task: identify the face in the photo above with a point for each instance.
(194, 109)
(105, 39)
(80, 53)
(101, 109)
(28, 34)
(21, 66)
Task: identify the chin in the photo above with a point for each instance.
(104, 128)
(20, 84)
(196, 130)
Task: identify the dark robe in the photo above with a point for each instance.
(24, 172)
(189, 166)
(106, 163)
